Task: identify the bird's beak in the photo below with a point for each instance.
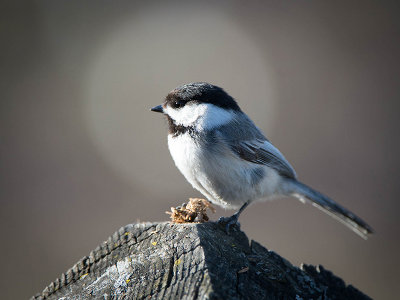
(157, 108)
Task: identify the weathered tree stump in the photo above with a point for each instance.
(191, 261)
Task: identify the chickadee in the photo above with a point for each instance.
(227, 158)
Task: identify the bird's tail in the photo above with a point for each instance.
(327, 205)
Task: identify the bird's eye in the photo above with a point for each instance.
(178, 103)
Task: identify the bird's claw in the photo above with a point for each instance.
(229, 222)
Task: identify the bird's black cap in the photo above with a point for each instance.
(202, 92)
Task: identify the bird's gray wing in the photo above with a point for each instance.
(264, 153)
(248, 142)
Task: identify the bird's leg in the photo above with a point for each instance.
(232, 220)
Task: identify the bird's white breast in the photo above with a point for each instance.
(223, 178)
(187, 155)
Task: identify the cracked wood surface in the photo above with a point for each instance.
(191, 261)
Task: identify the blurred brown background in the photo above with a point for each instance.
(81, 155)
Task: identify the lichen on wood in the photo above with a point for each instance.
(194, 211)
(191, 261)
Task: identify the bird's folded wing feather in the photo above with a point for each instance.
(264, 153)
(248, 142)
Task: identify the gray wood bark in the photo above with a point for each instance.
(191, 261)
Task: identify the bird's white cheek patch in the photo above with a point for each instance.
(214, 116)
(187, 115)
(201, 116)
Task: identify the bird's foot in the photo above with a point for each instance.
(229, 222)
